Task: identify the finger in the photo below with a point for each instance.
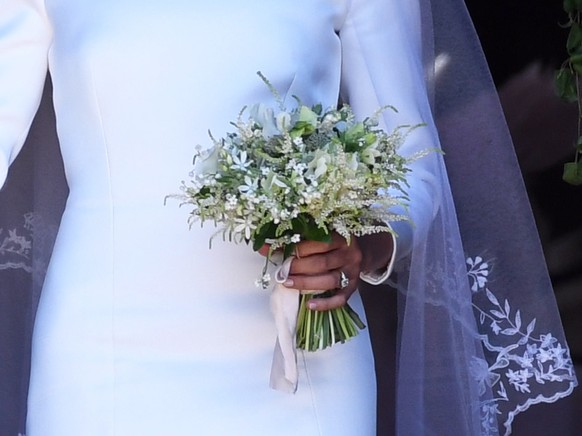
(319, 282)
(344, 257)
(340, 299)
(340, 259)
(307, 248)
(264, 250)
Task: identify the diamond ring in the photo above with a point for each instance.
(344, 281)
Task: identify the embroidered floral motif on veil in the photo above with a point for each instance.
(16, 245)
(518, 358)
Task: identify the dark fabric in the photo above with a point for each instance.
(21, 278)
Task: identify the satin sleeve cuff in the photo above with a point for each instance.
(380, 276)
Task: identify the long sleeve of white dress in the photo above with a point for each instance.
(25, 37)
(382, 65)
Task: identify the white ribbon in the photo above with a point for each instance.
(284, 306)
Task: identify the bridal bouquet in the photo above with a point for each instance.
(283, 176)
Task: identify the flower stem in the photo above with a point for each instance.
(317, 330)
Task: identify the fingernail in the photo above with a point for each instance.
(311, 305)
(288, 283)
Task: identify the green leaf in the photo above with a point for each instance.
(370, 138)
(572, 6)
(573, 173)
(309, 230)
(266, 231)
(302, 128)
(574, 43)
(565, 82)
(308, 116)
(576, 62)
(288, 250)
(317, 234)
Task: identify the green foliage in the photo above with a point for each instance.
(572, 6)
(568, 83)
(573, 173)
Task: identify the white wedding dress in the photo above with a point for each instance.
(142, 329)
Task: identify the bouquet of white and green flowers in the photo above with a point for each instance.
(284, 176)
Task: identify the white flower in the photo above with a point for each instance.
(245, 225)
(231, 202)
(478, 272)
(264, 116)
(525, 361)
(240, 162)
(369, 155)
(298, 141)
(495, 327)
(519, 379)
(263, 281)
(206, 161)
(296, 238)
(532, 349)
(250, 186)
(329, 120)
(318, 166)
(544, 355)
(558, 353)
(547, 340)
(271, 181)
(283, 121)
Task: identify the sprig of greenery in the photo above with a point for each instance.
(568, 82)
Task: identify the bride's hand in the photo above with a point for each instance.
(319, 265)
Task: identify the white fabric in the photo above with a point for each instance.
(143, 330)
(284, 306)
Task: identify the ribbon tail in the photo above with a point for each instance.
(284, 306)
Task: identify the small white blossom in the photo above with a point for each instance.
(250, 185)
(245, 226)
(296, 238)
(240, 161)
(264, 281)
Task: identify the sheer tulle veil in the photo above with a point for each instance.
(480, 338)
(480, 335)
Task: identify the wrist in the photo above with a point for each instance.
(379, 255)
